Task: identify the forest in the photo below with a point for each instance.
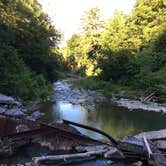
(125, 50)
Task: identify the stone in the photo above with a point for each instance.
(161, 144)
(90, 148)
(131, 144)
(24, 110)
(28, 164)
(114, 153)
(8, 100)
(30, 118)
(135, 104)
(2, 110)
(153, 135)
(15, 112)
(110, 162)
(33, 107)
(21, 128)
(138, 163)
(36, 115)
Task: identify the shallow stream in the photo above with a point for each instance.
(116, 120)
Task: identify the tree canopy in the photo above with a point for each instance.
(126, 49)
(27, 43)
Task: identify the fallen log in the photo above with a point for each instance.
(38, 160)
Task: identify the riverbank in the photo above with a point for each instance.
(12, 107)
(123, 95)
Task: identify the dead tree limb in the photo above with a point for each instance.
(113, 141)
(38, 160)
(148, 149)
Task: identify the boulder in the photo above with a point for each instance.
(114, 153)
(21, 128)
(8, 100)
(131, 144)
(90, 148)
(138, 163)
(15, 112)
(2, 110)
(36, 115)
(28, 164)
(153, 135)
(161, 144)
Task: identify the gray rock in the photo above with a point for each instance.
(21, 128)
(131, 144)
(135, 104)
(15, 112)
(33, 107)
(24, 110)
(138, 163)
(110, 162)
(90, 148)
(161, 144)
(153, 135)
(30, 118)
(36, 115)
(114, 153)
(28, 164)
(8, 100)
(2, 110)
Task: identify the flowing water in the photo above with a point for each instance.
(115, 120)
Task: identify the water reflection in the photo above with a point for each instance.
(113, 119)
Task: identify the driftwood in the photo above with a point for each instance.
(149, 97)
(149, 151)
(154, 155)
(38, 160)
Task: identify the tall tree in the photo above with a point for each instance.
(29, 33)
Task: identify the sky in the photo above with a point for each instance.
(66, 14)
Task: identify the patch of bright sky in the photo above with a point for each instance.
(66, 14)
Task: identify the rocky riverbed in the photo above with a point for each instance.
(87, 98)
(10, 106)
(66, 92)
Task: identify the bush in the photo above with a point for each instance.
(115, 66)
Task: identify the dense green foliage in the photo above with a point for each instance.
(82, 50)
(28, 49)
(129, 50)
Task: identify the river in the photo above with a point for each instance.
(116, 120)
